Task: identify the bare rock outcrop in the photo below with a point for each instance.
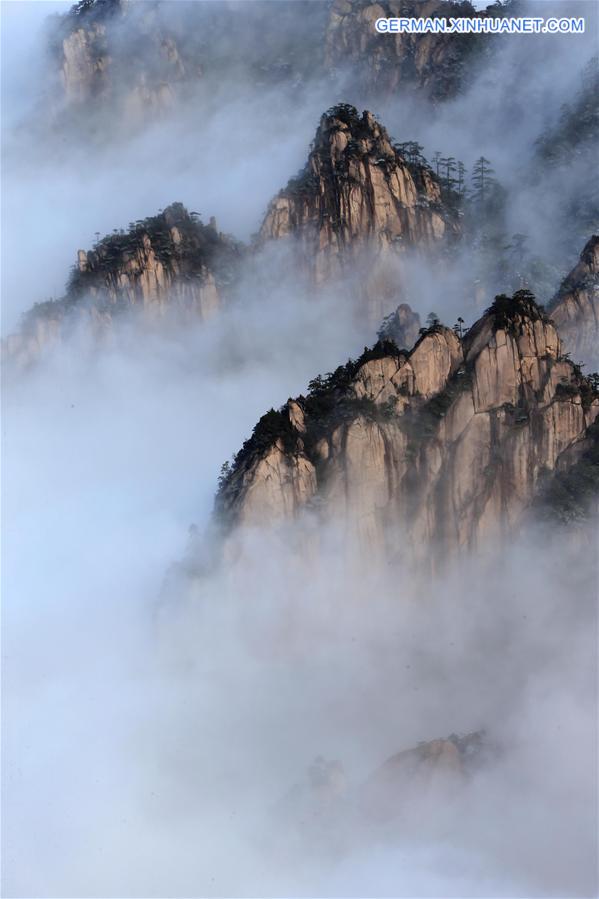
(136, 61)
(140, 58)
(326, 807)
(358, 206)
(401, 326)
(116, 52)
(575, 308)
(432, 770)
(446, 445)
(167, 266)
(433, 64)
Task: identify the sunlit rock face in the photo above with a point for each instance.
(359, 205)
(447, 444)
(167, 267)
(433, 64)
(575, 308)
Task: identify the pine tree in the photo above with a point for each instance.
(450, 167)
(483, 181)
(461, 179)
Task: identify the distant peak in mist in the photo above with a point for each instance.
(575, 307)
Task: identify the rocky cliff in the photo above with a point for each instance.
(359, 205)
(139, 59)
(446, 445)
(166, 265)
(122, 55)
(433, 64)
(575, 308)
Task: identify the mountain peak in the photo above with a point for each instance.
(360, 200)
(345, 117)
(409, 442)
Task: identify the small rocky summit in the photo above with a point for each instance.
(448, 443)
(359, 201)
(401, 326)
(575, 308)
(431, 770)
(168, 265)
(325, 802)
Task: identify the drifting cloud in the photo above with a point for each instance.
(147, 746)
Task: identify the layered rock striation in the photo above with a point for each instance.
(447, 444)
(575, 308)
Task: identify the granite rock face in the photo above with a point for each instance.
(358, 206)
(169, 266)
(575, 308)
(139, 59)
(446, 445)
(435, 65)
(135, 61)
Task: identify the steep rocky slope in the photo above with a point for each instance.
(167, 265)
(358, 205)
(435, 64)
(575, 308)
(446, 445)
(138, 59)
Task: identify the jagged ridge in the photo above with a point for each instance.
(357, 186)
(170, 262)
(448, 443)
(357, 206)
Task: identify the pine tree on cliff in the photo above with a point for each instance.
(450, 168)
(411, 151)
